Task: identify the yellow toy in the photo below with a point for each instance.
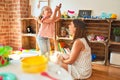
(34, 64)
(114, 16)
(65, 15)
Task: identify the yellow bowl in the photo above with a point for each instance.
(34, 64)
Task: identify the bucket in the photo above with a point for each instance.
(34, 64)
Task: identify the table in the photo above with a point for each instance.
(53, 69)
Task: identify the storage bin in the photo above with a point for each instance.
(115, 58)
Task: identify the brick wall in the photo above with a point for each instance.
(10, 25)
(4, 38)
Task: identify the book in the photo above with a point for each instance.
(67, 50)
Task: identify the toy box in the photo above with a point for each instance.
(115, 58)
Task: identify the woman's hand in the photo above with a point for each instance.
(65, 56)
(60, 58)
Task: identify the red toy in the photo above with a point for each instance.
(1, 78)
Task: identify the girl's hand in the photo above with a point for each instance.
(57, 8)
(60, 5)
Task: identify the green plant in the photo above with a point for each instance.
(116, 31)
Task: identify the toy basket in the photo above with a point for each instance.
(34, 64)
(4, 52)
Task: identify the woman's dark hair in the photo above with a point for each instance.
(80, 28)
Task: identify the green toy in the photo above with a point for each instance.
(4, 52)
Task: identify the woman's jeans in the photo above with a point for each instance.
(43, 44)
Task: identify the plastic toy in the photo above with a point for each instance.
(48, 76)
(21, 49)
(110, 15)
(4, 52)
(34, 64)
(71, 13)
(65, 15)
(100, 38)
(103, 15)
(1, 78)
(7, 76)
(114, 16)
(93, 57)
(91, 37)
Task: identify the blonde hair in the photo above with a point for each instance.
(42, 11)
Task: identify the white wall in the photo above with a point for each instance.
(35, 11)
(97, 6)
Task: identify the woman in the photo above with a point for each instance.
(78, 64)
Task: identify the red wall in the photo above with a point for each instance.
(10, 25)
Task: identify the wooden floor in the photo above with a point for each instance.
(101, 72)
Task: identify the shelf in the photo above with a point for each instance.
(29, 27)
(82, 19)
(28, 42)
(69, 18)
(43, 0)
(29, 34)
(114, 43)
(29, 24)
(64, 38)
(101, 24)
(26, 18)
(98, 42)
(102, 42)
(113, 49)
(100, 27)
(113, 65)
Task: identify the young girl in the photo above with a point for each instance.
(47, 27)
(78, 62)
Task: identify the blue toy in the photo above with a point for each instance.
(93, 57)
(7, 76)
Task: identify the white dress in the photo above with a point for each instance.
(82, 67)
